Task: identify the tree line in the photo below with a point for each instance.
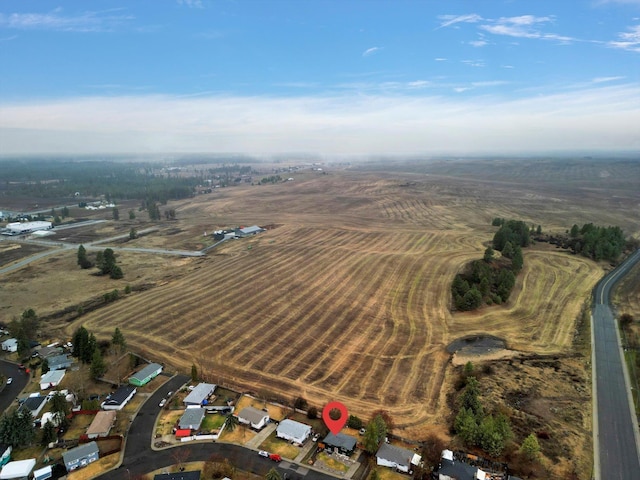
(491, 280)
(597, 243)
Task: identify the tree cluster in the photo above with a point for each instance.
(88, 351)
(16, 428)
(376, 431)
(272, 179)
(598, 243)
(24, 330)
(106, 262)
(474, 427)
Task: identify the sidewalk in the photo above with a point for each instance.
(255, 442)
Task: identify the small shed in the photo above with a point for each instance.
(145, 375)
(191, 419)
(293, 431)
(81, 456)
(51, 379)
(19, 469)
(200, 394)
(101, 424)
(43, 473)
(252, 416)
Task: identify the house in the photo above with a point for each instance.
(81, 456)
(34, 404)
(248, 231)
(118, 399)
(5, 454)
(18, 470)
(46, 352)
(455, 467)
(43, 473)
(101, 425)
(252, 416)
(200, 394)
(58, 362)
(51, 379)
(191, 419)
(194, 475)
(345, 444)
(145, 375)
(10, 345)
(293, 431)
(395, 457)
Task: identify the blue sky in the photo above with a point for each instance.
(320, 76)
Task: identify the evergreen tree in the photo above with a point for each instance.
(48, 434)
(530, 447)
(488, 255)
(116, 213)
(273, 475)
(83, 261)
(118, 340)
(132, 215)
(98, 367)
(45, 366)
(194, 373)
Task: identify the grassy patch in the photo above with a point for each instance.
(240, 435)
(94, 469)
(389, 474)
(331, 462)
(276, 445)
(212, 422)
(78, 426)
(630, 358)
(167, 421)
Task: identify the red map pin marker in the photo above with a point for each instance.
(334, 425)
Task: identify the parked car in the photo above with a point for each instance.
(315, 438)
(169, 394)
(9, 380)
(275, 457)
(264, 454)
(162, 403)
(362, 431)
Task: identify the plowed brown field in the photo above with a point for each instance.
(348, 298)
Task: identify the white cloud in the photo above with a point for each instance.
(448, 20)
(370, 51)
(440, 59)
(606, 79)
(474, 63)
(478, 43)
(97, 21)
(629, 40)
(191, 3)
(599, 117)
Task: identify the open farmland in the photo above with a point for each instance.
(347, 295)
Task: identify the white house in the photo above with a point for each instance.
(200, 394)
(10, 345)
(396, 457)
(255, 418)
(293, 431)
(51, 379)
(118, 399)
(19, 469)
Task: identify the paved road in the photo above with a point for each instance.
(139, 458)
(615, 423)
(11, 392)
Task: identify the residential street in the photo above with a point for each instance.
(10, 392)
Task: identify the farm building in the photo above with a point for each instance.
(51, 379)
(248, 231)
(34, 404)
(395, 457)
(195, 475)
(59, 362)
(200, 394)
(145, 375)
(191, 419)
(43, 473)
(293, 431)
(101, 425)
(10, 345)
(81, 456)
(20, 469)
(19, 228)
(5, 454)
(118, 399)
(255, 418)
(345, 444)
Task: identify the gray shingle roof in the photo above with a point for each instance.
(252, 415)
(397, 455)
(80, 451)
(341, 440)
(200, 393)
(146, 371)
(192, 418)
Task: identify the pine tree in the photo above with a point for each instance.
(530, 447)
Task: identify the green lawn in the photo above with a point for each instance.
(212, 422)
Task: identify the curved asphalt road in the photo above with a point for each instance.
(616, 437)
(139, 458)
(11, 392)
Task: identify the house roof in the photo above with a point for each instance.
(102, 423)
(191, 416)
(53, 376)
(178, 476)
(183, 432)
(42, 473)
(33, 403)
(80, 452)
(45, 352)
(120, 395)
(292, 428)
(18, 469)
(200, 393)
(345, 442)
(10, 342)
(457, 469)
(58, 360)
(252, 229)
(253, 415)
(146, 371)
(397, 455)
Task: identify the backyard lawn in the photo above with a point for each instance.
(331, 462)
(240, 435)
(279, 446)
(212, 422)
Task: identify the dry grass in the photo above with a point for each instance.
(94, 469)
(272, 444)
(275, 413)
(240, 435)
(348, 298)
